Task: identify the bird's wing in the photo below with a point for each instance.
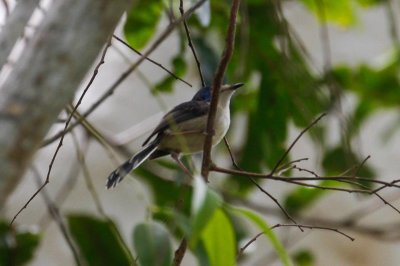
(181, 113)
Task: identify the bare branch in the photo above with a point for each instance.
(252, 240)
(217, 82)
(314, 227)
(231, 154)
(151, 60)
(274, 200)
(203, 83)
(55, 214)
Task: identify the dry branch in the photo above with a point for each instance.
(217, 82)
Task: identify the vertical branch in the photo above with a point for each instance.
(217, 82)
(203, 83)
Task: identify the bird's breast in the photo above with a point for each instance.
(188, 137)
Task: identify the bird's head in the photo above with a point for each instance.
(227, 91)
(204, 94)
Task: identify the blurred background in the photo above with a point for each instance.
(298, 59)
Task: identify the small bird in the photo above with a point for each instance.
(181, 131)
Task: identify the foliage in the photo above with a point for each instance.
(96, 237)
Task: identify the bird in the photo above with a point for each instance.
(181, 131)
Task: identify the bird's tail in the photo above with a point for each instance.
(118, 174)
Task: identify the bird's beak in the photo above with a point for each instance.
(231, 87)
(236, 86)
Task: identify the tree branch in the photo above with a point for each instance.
(217, 82)
(151, 60)
(190, 43)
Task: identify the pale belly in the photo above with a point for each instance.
(189, 137)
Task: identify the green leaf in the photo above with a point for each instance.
(304, 258)
(219, 240)
(204, 203)
(152, 244)
(16, 247)
(166, 193)
(141, 22)
(263, 225)
(341, 12)
(99, 241)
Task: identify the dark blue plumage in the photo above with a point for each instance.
(204, 94)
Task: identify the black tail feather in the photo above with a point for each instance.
(118, 174)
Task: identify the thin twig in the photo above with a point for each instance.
(289, 165)
(305, 170)
(274, 200)
(86, 174)
(217, 82)
(297, 181)
(361, 165)
(190, 43)
(151, 60)
(349, 223)
(252, 240)
(67, 129)
(294, 142)
(55, 214)
(315, 227)
(231, 154)
(301, 178)
(69, 180)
